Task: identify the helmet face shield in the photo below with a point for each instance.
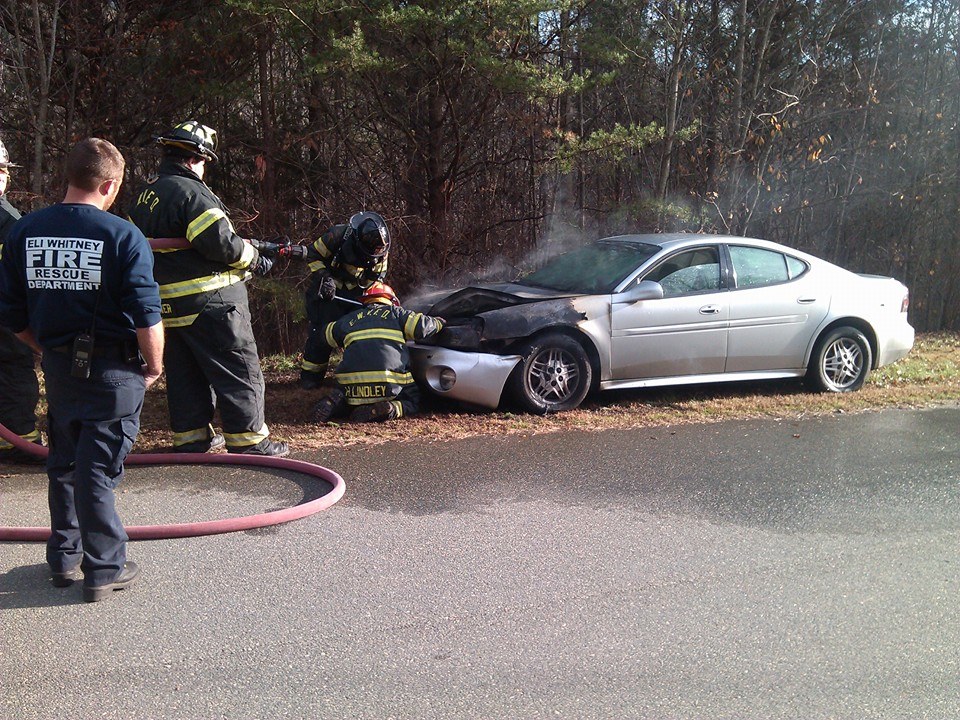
(372, 239)
(371, 234)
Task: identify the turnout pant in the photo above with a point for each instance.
(19, 390)
(92, 425)
(320, 313)
(214, 362)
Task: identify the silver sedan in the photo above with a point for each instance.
(650, 310)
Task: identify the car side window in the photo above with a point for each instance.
(756, 267)
(688, 273)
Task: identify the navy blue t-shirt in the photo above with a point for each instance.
(67, 261)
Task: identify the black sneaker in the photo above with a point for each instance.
(377, 412)
(265, 447)
(201, 446)
(129, 573)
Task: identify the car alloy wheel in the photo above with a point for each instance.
(554, 375)
(841, 361)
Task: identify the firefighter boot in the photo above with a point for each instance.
(330, 405)
(265, 447)
(311, 380)
(214, 442)
(377, 412)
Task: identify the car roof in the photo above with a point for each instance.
(669, 241)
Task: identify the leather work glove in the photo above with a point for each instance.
(263, 266)
(327, 288)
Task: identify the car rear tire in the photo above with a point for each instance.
(840, 362)
(554, 375)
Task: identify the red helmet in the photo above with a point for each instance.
(380, 293)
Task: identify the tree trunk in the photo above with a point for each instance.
(267, 113)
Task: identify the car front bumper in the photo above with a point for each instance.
(470, 377)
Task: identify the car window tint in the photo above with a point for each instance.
(593, 269)
(687, 273)
(756, 267)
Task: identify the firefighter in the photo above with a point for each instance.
(344, 261)
(373, 380)
(78, 282)
(19, 389)
(211, 355)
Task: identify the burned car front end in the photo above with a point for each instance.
(471, 359)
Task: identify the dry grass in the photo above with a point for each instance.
(929, 376)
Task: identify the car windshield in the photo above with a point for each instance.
(593, 269)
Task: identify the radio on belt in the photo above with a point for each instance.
(82, 354)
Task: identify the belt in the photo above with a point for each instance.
(127, 352)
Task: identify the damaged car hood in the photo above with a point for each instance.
(478, 299)
(499, 313)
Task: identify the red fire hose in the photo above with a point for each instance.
(210, 527)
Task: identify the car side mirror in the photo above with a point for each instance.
(643, 290)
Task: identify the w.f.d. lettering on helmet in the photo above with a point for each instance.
(380, 292)
(191, 137)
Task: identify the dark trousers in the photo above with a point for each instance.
(211, 362)
(19, 390)
(92, 425)
(320, 313)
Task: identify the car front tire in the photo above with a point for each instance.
(554, 375)
(840, 362)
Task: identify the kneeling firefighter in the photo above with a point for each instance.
(373, 380)
(211, 355)
(345, 260)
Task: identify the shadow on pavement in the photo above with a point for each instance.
(29, 586)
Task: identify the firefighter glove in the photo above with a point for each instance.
(327, 288)
(263, 266)
(266, 247)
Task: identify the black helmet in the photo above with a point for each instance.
(192, 137)
(5, 157)
(371, 234)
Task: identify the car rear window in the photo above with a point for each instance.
(593, 269)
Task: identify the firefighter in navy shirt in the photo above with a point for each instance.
(76, 283)
(211, 355)
(373, 380)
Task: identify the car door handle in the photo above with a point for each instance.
(806, 300)
(709, 310)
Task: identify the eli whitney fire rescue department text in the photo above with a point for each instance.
(63, 263)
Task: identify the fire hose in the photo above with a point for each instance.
(196, 529)
(211, 527)
(283, 249)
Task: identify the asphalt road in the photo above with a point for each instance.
(795, 569)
